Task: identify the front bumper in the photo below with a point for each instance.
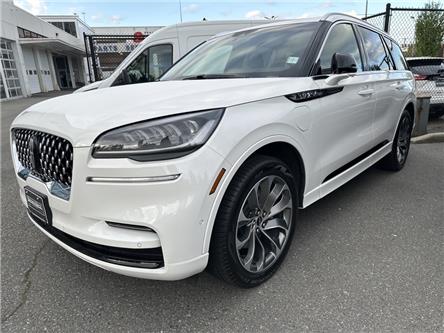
(176, 213)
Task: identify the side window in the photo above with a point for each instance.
(341, 39)
(160, 59)
(150, 64)
(137, 71)
(397, 55)
(377, 58)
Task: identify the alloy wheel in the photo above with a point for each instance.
(264, 223)
(403, 140)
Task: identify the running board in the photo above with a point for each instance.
(348, 172)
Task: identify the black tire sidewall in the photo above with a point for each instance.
(405, 114)
(258, 168)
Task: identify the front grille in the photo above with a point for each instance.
(46, 156)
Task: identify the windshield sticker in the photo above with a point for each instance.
(292, 60)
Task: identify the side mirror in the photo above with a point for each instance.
(343, 63)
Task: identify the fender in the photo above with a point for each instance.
(411, 98)
(233, 170)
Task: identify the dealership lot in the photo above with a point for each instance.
(366, 258)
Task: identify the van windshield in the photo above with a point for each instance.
(275, 51)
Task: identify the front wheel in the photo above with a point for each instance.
(255, 223)
(396, 159)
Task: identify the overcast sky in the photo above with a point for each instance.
(148, 12)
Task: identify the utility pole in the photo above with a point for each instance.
(366, 8)
(180, 9)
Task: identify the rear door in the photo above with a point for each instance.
(343, 126)
(389, 85)
(401, 84)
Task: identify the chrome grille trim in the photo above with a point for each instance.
(45, 156)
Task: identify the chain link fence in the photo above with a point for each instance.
(105, 52)
(427, 64)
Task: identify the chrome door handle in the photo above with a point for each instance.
(366, 92)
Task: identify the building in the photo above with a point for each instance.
(47, 52)
(38, 56)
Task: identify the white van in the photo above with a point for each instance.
(161, 49)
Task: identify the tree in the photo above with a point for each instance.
(430, 30)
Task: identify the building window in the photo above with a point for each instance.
(10, 83)
(69, 27)
(24, 33)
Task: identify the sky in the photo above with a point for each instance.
(160, 13)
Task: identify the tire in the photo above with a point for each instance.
(396, 159)
(245, 235)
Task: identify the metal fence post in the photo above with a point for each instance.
(93, 59)
(87, 56)
(387, 17)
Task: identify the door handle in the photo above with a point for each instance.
(398, 86)
(366, 92)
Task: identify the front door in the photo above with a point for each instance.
(62, 72)
(343, 126)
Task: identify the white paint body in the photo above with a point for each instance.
(183, 37)
(327, 132)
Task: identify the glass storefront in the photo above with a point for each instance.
(10, 83)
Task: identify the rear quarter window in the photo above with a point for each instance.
(397, 56)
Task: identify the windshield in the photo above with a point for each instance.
(274, 51)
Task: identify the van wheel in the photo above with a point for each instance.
(255, 223)
(396, 159)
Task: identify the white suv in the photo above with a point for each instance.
(209, 165)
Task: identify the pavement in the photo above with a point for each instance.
(436, 125)
(435, 132)
(368, 257)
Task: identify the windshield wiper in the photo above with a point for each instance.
(212, 76)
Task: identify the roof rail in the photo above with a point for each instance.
(326, 16)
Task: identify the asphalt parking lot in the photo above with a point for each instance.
(368, 257)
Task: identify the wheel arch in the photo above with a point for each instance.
(291, 156)
(410, 107)
(281, 147)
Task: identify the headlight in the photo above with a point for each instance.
(158, 139)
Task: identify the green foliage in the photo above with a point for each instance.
(430, 31)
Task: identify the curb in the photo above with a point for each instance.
(429, 138)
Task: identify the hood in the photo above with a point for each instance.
(80, 118)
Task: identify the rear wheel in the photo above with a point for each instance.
(255, 223)
(396, 159)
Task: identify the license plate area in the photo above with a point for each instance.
(38, 206)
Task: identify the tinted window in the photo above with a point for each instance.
(426, 66)
(150, 64)
(341, 39)
(70, 27)
(397, 56)
(273, 51)
(377, 58)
